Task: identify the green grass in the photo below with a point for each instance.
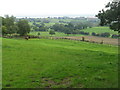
(0, 63)
(44, 63)
(49, 24)
(100, 30)
(31, 23)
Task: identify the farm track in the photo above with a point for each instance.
(92, 39)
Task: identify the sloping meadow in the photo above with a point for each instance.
(45, 63)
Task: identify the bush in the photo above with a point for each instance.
(38, 34)
(93, 33)
(81, 32)
(115, 36)
(106, 34)
(76, 32)
(84, 33)
(52, 32)
(97, 34)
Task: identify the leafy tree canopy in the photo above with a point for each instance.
(24, 27)
(52, 32)
(110, 16)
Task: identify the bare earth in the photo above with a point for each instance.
(110, 41)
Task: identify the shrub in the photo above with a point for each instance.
(115, 36)
(84, 33)
(97, 34)
(52, 32)
(38, 34)
(106, 34)
(93, 33)
(81, 32)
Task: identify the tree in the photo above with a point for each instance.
(52, 32)
(56, 27)
(13, 29)
(23, 27)
(4, 30)
(42, 28)
(67, 31)
(38, 33)
(9, 23)
(78, 26)
(70, 25)
(35, 28)
(110, 16)
(45, 21)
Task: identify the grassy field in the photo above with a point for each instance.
(100, 30)
(49, 63)
(0, 63)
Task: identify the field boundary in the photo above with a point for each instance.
(91, 39)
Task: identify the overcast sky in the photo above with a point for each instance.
(33, 8)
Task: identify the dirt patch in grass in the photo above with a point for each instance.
(48, 83)
(66, 81)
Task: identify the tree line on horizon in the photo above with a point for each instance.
(11, 25)
(110, 17)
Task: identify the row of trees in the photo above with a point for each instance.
(70, 28)
(10, 26)
(38, 27)
(106, 34)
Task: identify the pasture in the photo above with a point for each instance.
(46, 63)
(0, 71)
(100, 30)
